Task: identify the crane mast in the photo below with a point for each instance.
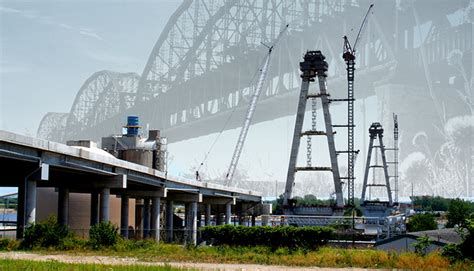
(395, 149)
(349, 57)
(250, 111)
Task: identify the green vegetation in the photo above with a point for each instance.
(458, 211)
(104, 234)
(465, 249)
(421, 247)
(9, 203)
(275, 237)
(422, 222)
(150, 251)
(430, 203)
(308, 201)
(251, 245)
(45, 234)
(54, 265)
(323, 257)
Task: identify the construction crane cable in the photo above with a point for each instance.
(251, 110)
(251, 83)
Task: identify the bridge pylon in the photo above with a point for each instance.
(314, 65)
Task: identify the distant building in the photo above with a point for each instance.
(404, 243)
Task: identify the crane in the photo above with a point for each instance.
(395, 149)
(250, 111)
(349, 57)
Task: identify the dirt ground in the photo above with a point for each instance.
(133, 261)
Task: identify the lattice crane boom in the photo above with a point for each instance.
(250, 111)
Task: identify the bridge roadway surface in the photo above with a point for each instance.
(28, 163)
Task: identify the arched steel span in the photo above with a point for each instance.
(194, 74)
(53, 126)
(103, 95)
(203, 61)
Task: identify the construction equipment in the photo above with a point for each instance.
(349, 57)
(376, 131)
(395, 158)
(250, 111)
(395, 147)
(314, 64)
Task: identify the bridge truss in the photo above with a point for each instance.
(202, 65)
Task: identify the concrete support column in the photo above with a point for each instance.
(208, 215)
(20, 218)
(169, 221)
(138, 218)
(219, 220)
(241, 220)
(265, 220)
(228, 213)
(155, 218)
(146, 218)
(253, 220)
(94, 208)
(124, 204)
(191, 223)
(63, 206)
(30, 202)
(104, 214)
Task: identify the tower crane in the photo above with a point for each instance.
(349, 57)
(250, 111)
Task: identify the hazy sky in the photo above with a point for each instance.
(49, 48)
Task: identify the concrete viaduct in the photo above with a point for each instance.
(31, 163)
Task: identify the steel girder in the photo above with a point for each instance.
(203, 61)
(102, 96)
(53, 126)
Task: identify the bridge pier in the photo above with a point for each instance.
(124, 215)
(169, 221)
(146, 217)
(138, 218)
(63, 206)
(30, 202)
(104, 215)
(155, 218)
(207, 219)
(191, 222)
(94, 208)
(228, 213)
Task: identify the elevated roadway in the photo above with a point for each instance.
(30, 163)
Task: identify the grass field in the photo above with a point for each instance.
(7, 265)
(324, 257)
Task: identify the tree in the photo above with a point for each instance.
(422, 222)
(458, 212)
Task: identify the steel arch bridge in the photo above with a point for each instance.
(202, 65)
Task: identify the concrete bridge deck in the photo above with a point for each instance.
(30, 163)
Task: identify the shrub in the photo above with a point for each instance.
(421, 247)
(9, 244)
(422, 222)
(45, 234)
(458, 212)
(454, 252)
(104, 234)
(451, 252)
(275, 237)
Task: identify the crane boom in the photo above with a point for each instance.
(362, 28)
(250, 111)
